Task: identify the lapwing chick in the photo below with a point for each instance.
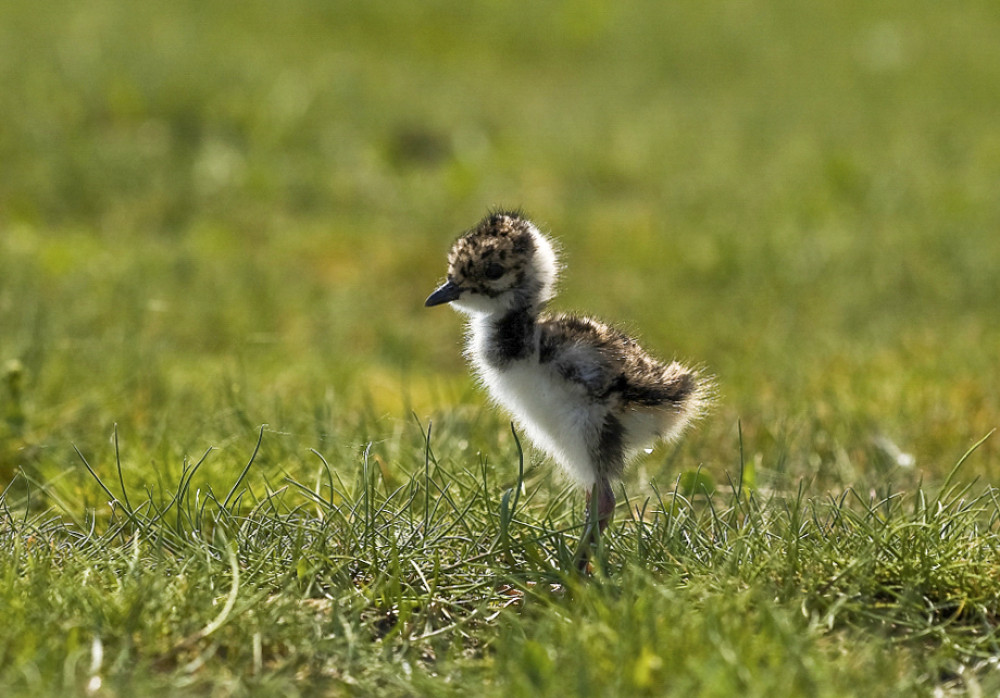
(583, 392)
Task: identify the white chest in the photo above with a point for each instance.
(555, 413)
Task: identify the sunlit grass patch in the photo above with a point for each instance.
(271, 582)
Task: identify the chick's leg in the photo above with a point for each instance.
(599, 514)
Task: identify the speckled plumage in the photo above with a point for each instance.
(584, 392)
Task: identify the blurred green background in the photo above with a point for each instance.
(218, 215)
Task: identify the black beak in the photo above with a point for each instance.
(445, 293)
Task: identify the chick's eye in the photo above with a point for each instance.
(493, 271)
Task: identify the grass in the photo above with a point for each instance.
(352, 582)
(212, 221)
